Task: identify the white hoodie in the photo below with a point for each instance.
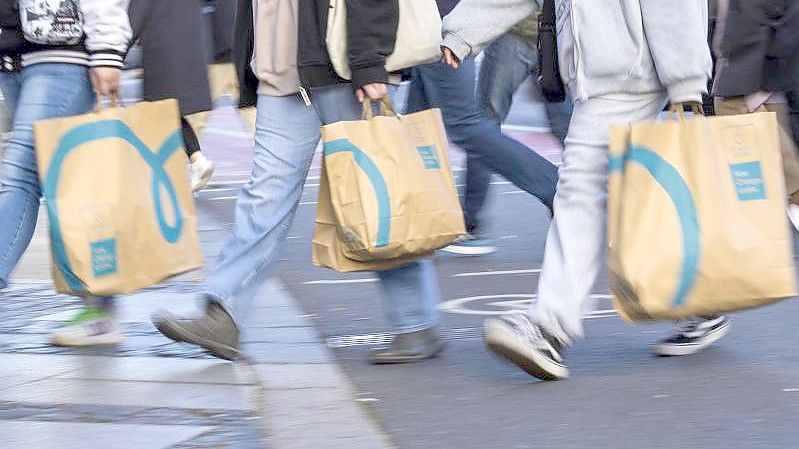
(604, 46)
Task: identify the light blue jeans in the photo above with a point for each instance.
(286, 137)
(39, 92)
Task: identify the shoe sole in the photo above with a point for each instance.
(505, 343)
(181, 335)
(206, 176)
(693, 348)
(794, 219)
(433, 352)
(469, 250)
(87, 342)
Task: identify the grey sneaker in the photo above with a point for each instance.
(409, 347)
(470, 245)
(518, 340)
(215, 331)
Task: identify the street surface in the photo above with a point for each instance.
(307, 386)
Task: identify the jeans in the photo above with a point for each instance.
(508, 61)
(576, 240)
(437, 85)
(286, 137)
(40, 91)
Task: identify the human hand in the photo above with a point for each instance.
(105, 80)
(449, 58)
(373, 91)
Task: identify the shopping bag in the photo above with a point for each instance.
(391, 189)
(118, 199)
(696, 217)
(328, 246)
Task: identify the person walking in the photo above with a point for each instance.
(621, 62)
(453, 91)
(175, 58)
(507, 63)
(283, 64)
(758, 44)
(50, 79)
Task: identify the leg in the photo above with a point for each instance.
(451, 90)
(201, 167)
(575, 243)
(505, 67)
(45, 91)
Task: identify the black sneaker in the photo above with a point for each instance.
(518, 340)
(692, 335)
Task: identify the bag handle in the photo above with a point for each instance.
(114, 100)
(678, 109)
(386, 108)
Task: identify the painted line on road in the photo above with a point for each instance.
(226, 133)
(340, 281)
(493, 273)
(221, 198)
(492, 305)
(524, 128)
(307, 203)
(511, 192)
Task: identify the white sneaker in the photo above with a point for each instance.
(201, 171)
(90, 327)
(793, 215)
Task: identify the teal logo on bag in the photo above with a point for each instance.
(747, 177)
(680, 194)
(104, 257)
(375, 178)
(429, 157)
(100, 130)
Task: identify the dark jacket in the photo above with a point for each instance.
(369, 44)
(174, 51)
(759, 47)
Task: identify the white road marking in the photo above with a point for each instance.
(490, 305)
(340, 281)
(492, 273)
(221, 198)
(307, 203)
(511, 192)
(790, 390)
(523, 128)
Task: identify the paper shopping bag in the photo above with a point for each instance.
(117, 192)
(390, 185)
(696, 217)
(328, 246)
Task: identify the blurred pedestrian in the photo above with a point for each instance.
(175, 58)
(507, 63)
(453, 91)
(621, 62)
(59, 75)
(297, 90)
(758, 44)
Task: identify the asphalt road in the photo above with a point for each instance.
(742, 393)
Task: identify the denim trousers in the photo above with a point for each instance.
(453, 91)
(38, 92)
(286, 138)
(507, 62)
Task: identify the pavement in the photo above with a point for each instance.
(305, 383)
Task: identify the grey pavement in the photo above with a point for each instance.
(306, 384)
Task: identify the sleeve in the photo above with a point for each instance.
(371, 34)
(108, 32)
(677, 37)
(474, 24)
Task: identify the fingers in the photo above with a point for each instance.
(376, 91)
(359, 93)
(449, 58)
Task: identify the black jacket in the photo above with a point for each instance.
(760, 47)
(369, 44)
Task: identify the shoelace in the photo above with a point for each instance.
(522, 324)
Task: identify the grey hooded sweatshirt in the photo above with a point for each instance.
(604, 46)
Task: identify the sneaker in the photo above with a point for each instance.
(518, 340)
(469, 245)
(201, 171)
(409, 347)
(793, 215)
(90, 327)
(692, 335)
(216, 332)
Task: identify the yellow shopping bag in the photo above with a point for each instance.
(118, 198)
(696, 217)
(390, 186)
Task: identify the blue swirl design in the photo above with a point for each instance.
(375, 178)
(680, 194)
(108, 129)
